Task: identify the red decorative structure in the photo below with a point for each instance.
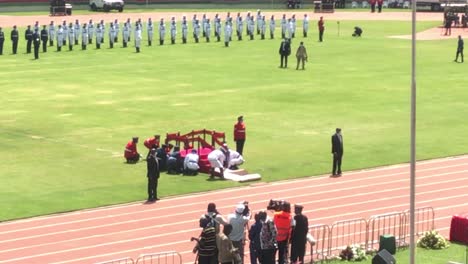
(199, 140)
(459, 228)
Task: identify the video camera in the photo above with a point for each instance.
(246, 211)
(276, 205)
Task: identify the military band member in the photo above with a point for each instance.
(272, 27)
(90, 31)
(71, 36)
(173, 30)
(184, 31)
(149, 30)
(293, 21)
(196, 31)
(227, 34)
(37, 43)
(208, 30)
(2, 40)
(215, 25)
(284, 26)
(51, 33)
(65, 32)
(28, 35)
(84, 36)
(111, 35)
(229, 19)
(305, 25)
(14, 39)
(77, 30)
(103, 30)
(60, 38)
(259, 21)
(240, 28)
(125, 34)
(251, 28)
(194, 20)
(99, 36)
(137, 37)
(44, 38)
(162, 31)
(117, 30)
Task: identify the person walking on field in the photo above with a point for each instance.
(459, 49)
(239, 134)
(321, 28)
(337, 151)
(153, 175)
(301, 55)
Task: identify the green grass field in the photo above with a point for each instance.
(66, 118)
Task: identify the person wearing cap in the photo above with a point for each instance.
(240, 134)
(152, 164)
(235, 159)
(37, 43)
(217, 158)
(28, 35)
(90, 31)
(162, 31)
(71, 36)
(283, 223)
(44, 38)
(173, 30)
(60, 38)
(150, 31)
(191, 166)
(227, 34)
(284, 26)
(152, 142)
(321, 28)
(272, 27)
(138, 37)
(77, 31)
(239, 222)
(337, 151)
(131, 154)
(299, 233)
(51, 31)
(99, 36)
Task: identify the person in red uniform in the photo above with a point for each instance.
(372, 5)
(379, 5)
(131, 153)
(152, 142)
(321, 28)
(239, 134)
(282, 220)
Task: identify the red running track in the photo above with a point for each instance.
(129, 230)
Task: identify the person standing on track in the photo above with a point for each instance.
(238, 221)
(337, 151)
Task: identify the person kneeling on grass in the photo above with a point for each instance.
(235, 159)
(217, 158)
(357, 32)
(174, 162)
(131, 154)
(191, 166)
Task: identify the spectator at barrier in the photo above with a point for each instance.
(268, 241)
(206, 246)
(227, 253)
(283, 223)
(238, 221)
(131, 154)
(254, 238)
(357, 32)
(191, 166)
(299, 233)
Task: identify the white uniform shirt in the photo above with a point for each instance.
(52, 31)
(191, 161)
(184, 30)
(305, 24)
(138, 36)
(71, 35)
(162, 31)
(84, 36)
(173, 30)
(99, 35)
(238, 223)
(60, 37)
(284, 26)
(272, 25)
(90, 29)
(77, 30)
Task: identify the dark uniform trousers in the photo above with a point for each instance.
(37, 45)
(29, 40)
(44, 38)
(2, 40)
(14, 40)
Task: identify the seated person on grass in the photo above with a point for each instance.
(235, 159)
(131, 154)
(217, 159)
(174, 162)
(191, 166)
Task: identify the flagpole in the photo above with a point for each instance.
(413, 135)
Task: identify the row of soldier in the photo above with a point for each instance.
(72, 32)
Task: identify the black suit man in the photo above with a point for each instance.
(14, 39)
(284, 51)
(28, 35)
(153, 175)
(44, 38)
(2, 39)
(37, 43)
(337, 151)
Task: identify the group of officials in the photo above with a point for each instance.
(77, 33)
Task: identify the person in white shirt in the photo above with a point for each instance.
(77, 31)
(238, 221)
(305, 25)
(235, 159)
(99, 36)
(207, 30)
(65, 32)
(203, 25)
(103, 29)
(196, 31)
(150, 31)
(263, 27)
(90, 31)
(129, 25)
(137, 37)
(84, 36)
(71, 37)
(218, 157)
(272, 27)
(259, 18)
(284, 26)
(227, 34)
(59, 38)
(184, 31)
(117, 30)
(290, 29)
(51, 33)
(111, 35)
(125, 35)
(191, 166)
(162, 31)
(251, 26)
(173, 30)
(240, 26)
(293, 27)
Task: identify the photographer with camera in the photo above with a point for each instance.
(283, 223)
(239, 220)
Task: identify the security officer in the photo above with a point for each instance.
(2, 39)
(90, 31)
(60, 38)
(14, 39)
(173, 30)
(37, 43)
(137, 37)
(28, 35)
(99, 36)
(149, 30)
(44, 38)
(84, 36)
(162, 31)
(51, 33)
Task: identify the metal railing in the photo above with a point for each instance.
(320, 248)
(119, 261)
(169, 257)
(391, 223)
(348, 232)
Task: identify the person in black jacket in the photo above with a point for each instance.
(153, 175)
(459, 49)
(284, 51)
(44, 38)
(14, 39)
(299, 235)
(28, 35)
(337, 151)
(2, 39)
(37, 43)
